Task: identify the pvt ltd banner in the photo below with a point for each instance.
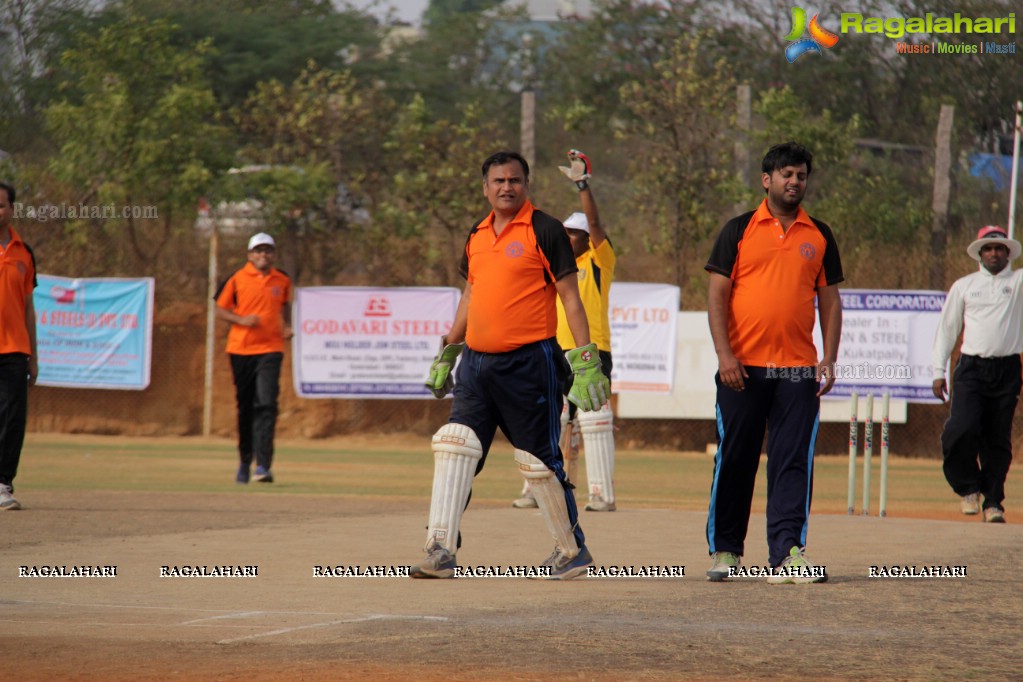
(644, 331)
(94, 333)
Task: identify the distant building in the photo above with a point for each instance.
(554, 10)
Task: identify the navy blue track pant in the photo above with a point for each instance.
(520, 392)
(784, 402)
(984, 396)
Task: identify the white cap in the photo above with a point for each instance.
(992, 234)
(577, 221)
(261, 239)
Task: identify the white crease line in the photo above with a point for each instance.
(156, 608)
(107, 624)
(239, 614)
(328, 624)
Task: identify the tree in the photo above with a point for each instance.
(468, 57)
(876, 204)
(592, 60)
(320, 137)
(436, 190)
(35, 33)
(679, 125)
(137, 128)
(259, 40)
(897, 97)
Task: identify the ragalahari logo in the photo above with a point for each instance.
(819, 38)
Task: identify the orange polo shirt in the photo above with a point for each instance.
(775, 275)
(249, 292)
(512, 276)
(17, 280)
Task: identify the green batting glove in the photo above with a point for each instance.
(440, 381)
(590, 388)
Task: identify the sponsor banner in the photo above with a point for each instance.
(887, 337)
(94, 333)
(643, 336)
(363, 342)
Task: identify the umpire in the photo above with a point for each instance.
(987, 306)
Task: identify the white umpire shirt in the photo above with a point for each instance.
(991, 306)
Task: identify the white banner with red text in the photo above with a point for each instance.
(368, 342)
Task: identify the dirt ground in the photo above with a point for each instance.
(287, 623)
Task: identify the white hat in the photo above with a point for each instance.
(992, 234)
(577, 221)
(261, 239)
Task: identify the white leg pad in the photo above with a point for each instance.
(550, 498)
(599, 442)
(456, 453)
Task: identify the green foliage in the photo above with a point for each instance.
(870, 199)
(437, 187)
(137, 128)
(256, 41)
(321, 135)
(681, 116)
(371, 140)
(34, 33)
(593, 59)
(469, 57)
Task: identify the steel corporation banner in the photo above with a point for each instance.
(643, 336)
(887, 337)
(360, 342)
(94, 333)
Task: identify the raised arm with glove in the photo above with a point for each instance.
(579, 169)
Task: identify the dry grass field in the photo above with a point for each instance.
(142, 504)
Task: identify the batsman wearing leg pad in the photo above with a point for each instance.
(570, 449)
(598, 440)
(550, 498)
(456, 453)
(568, 560)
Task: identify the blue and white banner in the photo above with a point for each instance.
(887, 337)
(360, 342)
(94, 333)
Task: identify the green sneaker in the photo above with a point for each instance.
(724, 563)
(795, 569)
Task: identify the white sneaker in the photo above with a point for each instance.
(994, 515)
(723, 562)
(7, 501)
(970, 504)
(597, 503)
(795, 569)
(527, 501)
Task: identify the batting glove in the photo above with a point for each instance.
(590, 388)
(440, 382)
(579, 170)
